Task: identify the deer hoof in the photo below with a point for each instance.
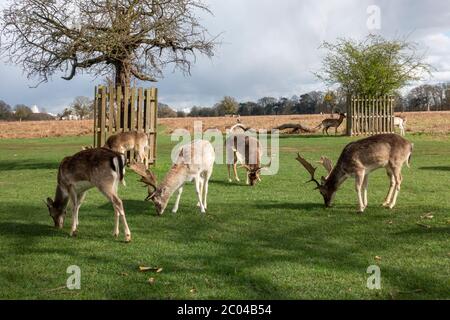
(73, 233)
(128, 238)
(115, 234)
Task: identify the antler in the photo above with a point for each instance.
(327, 163)
(147, 176)
(308, 168)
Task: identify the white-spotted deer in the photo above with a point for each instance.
(359, 159)
(245, 150)
(99, 168)
(195, 161)
(130, 140)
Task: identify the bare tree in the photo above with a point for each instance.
(83, 107)
(135, 39)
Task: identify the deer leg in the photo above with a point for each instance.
(229, 172)
(177, 201)
(247, 180)
(359, 180)
(388, 199)
(81, 198)
(235, 172)
(201, 183)
(365, 186)
(119, 212)
(398, 182)
(75, 207)
(199, 195)
(206, 182)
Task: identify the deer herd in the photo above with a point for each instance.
(104, 168)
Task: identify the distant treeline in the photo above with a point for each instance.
(21, 112)
(422, 98)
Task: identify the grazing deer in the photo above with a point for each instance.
(359, 159)
(131, 140)
(194, 162)
(101, 168)
(331, 123)
(247, 151)
(400, 122)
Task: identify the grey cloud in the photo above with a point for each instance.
(269, 48)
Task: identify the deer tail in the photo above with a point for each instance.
(408, 163)
(118, 165)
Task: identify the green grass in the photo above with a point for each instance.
(274, 241)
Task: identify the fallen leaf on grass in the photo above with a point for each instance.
(423, 225)
(145, 269)
(151, 280)
(428, 216)
(378, 258)
(193, 290)
(124, 274)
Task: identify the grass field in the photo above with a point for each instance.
(274, 241)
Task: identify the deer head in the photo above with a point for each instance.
(56, 213)
(326, 192)
(254, 172)
(149, 179)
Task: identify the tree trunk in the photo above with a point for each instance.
(123, 79)
(123, 75)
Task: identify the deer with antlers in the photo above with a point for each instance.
(245, 150)
(331, 123)
(359, 159)
(195, 161)
(99, 168)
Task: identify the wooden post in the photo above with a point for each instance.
(95, 116)
(153, 117)
(349, 115)
(102, 118)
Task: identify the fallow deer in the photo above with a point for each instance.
(400, 122)
(245, 150)
(130, 140)
(195, 161)
(331, 123)
(359, 159)
(99, 168)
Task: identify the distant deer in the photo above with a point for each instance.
(400, 122)
(130, 140)
(331, 123)
(194, 162)
(359, 159)
(92, 168)
(245, 150)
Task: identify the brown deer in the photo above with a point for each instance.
(130, 140)
(195, 161)
(247, 151)
(359, 159)
(331, 123)
(99, 168)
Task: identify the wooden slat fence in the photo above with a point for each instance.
(126, 109)
(370, 115)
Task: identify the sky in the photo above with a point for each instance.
(269, 48)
